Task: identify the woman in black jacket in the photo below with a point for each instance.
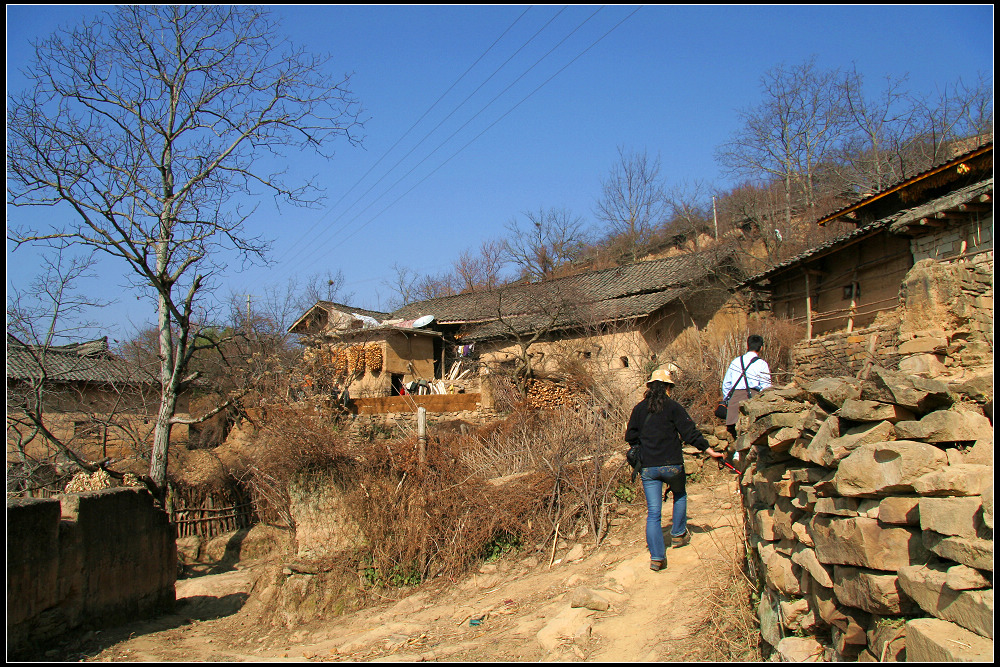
(660, 425)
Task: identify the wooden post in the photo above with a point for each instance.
(422, 467)
(421, 437)
(854, 302)
(809, 312)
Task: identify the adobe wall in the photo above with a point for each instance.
(87, 560)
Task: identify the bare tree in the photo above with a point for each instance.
(633, 202)
(482, 271)
(149, 124)
(690, 210)
(547, 240)
(790, 133)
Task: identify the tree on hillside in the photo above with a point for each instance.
(145, 129)
(790, 133)
(549, 238)
(633, 202)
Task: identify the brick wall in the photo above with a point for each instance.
(87, 560)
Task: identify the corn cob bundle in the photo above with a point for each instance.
(373, 357)
(339, 361)
(356, 359)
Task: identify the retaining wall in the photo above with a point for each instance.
(84, 561)
(869, 508)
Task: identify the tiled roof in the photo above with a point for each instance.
(599, 296)
(897, 222)
(79, 362)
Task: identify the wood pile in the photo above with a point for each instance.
(549, 394)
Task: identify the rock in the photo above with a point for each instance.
(946, 426)
(576, 553)
(836, 449)
(965, 479)
(981, 453)
(866, 543)
(769, 402)
(926, 365)
(488, 568)
(811, 450)
(805, 558)
(887, 640)
(872, 411)
(965, 578)
(887, 468)
(764, 524)
(588, 599)
(624, 575)
(796, 615)
(800, 649)
(927, 585)
(972, 551)
(784, 515)
(758, 430)
(767, 614)
(569, 624)
(780, 574)
(919, 395)
(934, 640)
(783, 439)
(900, 510)
(978, 388)
(832, 392)
(871, 591)
(988, 506)
(952, 516)
(837, 506)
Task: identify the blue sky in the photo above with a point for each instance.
(668, 80)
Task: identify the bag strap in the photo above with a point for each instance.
(742, 375)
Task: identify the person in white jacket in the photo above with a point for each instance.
(747, 376)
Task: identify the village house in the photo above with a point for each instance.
(97, 403)
(618, 321)
(944, 213)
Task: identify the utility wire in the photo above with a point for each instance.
(490, 126)
(477, 114)
(432, 131)
(403, 136)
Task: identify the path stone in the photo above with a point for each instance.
(586, 598)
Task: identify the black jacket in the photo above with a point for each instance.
(663, 435)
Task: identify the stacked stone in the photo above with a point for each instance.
(836, 353)
(870, 513)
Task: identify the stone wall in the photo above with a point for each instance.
(870, 518)
(943, 325)
(87, 560)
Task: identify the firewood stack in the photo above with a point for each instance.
(548, 394)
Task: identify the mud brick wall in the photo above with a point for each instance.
(869, 508)
(87, 560)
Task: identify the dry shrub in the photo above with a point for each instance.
(728, 629)
(704, 354)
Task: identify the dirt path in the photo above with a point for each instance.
(521, 612)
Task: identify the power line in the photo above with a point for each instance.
(403, 136)
(463, 126)
(490, 126)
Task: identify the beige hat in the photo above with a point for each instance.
(663, 374)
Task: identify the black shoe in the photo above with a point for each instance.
(682, 540)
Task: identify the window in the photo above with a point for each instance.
(852, 291)
(624, 361)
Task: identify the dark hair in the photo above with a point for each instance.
(755, 343)
(656, 396)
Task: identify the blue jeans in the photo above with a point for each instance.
(653, 480)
